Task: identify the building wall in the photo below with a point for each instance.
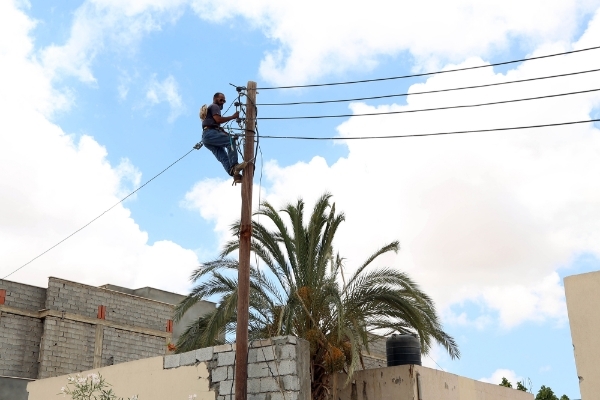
(23, 296)
(84, 300)
(376, 356)
(200, 308)
(67, 347)
(146, 378)
(583, 296)
(120, 346)
(400, 382)
(55, 331)
(19, 345)
(278, 369)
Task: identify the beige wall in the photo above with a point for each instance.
(583, 302)
(146, 378)
(400, 383)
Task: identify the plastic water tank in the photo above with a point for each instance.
(403, 350)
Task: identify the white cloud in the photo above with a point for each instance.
(315, 38)
(100, 25)
(166, 91)
(52, 184)
(486, 217)
(498, 374)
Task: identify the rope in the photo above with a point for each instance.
(196, 147)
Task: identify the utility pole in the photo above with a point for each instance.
(241, 336)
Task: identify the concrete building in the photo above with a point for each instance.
(70, 327)
(278, 369)
(583, 300)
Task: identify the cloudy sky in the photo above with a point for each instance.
(98, 96)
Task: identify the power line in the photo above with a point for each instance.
(196, 147)
(431, 73)
(429, 91)
(431, 134)
(430, 109)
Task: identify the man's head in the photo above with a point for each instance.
(219, 99)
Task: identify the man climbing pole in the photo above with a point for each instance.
(219, 142)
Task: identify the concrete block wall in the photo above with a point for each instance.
(23, 296)
(376, 356)
(120, 346)
(19, 345)
(84, 300)
(278, 368)
(67, 347)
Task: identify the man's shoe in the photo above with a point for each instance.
(239, 167)
(237, 178)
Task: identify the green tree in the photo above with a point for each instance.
(521, 386)
(299, 293)
(545, 393)
(564, 397)
(505, 383)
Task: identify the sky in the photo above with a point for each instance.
(99, 96)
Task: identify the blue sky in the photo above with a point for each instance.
(99, 96)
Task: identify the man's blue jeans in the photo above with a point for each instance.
(224, 148)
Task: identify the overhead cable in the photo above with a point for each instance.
(430, 91)
(432, 134)
(432, 73)
(430, 109)
(196, 147)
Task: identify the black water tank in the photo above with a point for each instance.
(403, 350)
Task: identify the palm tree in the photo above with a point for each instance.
(299, 293)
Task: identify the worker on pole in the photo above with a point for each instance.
(219, 142)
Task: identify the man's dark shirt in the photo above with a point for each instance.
(213, 109)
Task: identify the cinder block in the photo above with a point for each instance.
(252, 353)
(254, 385)
(221, 373)
(226, 359)
(289, 339)
(284, 396)
(265, 354)
(188, 358)
(257, 396)
(227, 388)
(290, 382)
(286, 352)
(171, 361)
(258, 370)
(260, 343)
(205, 354)
(222, 348)
(285, 367)
(269, 384)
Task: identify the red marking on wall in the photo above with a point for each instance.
(2, 296)
(101, 312)
(169, 325)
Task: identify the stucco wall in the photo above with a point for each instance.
(278, 369)
(394, 383)
(583, 296)
(146, 378)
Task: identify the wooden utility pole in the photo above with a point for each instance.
(241, 336)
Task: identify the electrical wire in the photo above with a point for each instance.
(431, 109)
(432, 134)
(432, 73)
(196, 147)
(429, 91)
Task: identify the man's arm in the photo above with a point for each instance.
(219, 120)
